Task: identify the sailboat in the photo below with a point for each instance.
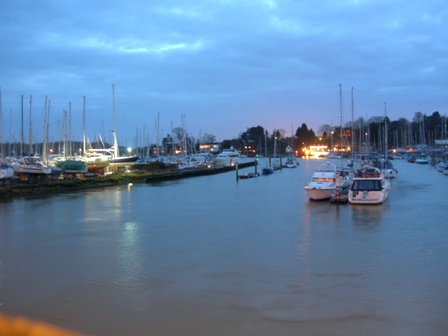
(117, 159)
(268, 169)
(291, 162)
(113, 153)
(388, 170)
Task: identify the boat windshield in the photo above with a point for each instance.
(369, 185)
(322, 179)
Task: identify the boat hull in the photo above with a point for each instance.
(18, 169)
(267, 171)
(72, 166)
(389, 173)
(368, 198)
(320, 194)
(6, 173)
(123, 159)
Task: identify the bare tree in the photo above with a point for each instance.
(208, 138)
(179, 132)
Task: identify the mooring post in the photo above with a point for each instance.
(256, 165)
(337, 188)
(236, 169)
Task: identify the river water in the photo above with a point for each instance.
(212, 256)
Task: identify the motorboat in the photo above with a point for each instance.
(228, 157)
(441, 166)
(422, 160)
(389, 173)
(388, 170)
(332, 155)
(369, 186)
(323, 183)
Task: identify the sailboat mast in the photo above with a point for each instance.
(2, 150)
(64, 133)
(69, 126)
(30, 131)
(115, 126)
(265, 147)
(353, 134)
(385, 134)
(44, 151)
(47, 126)
(172, 138)
(340, 108)
(157, 135)
(21, 131)
(84, 125)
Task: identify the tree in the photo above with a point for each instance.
(208, 138)
(324, 129)
(304, 136)
(179, 132)
(254, 134)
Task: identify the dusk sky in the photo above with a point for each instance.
(225, 65)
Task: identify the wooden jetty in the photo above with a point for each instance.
(180, 174)
(339, 197)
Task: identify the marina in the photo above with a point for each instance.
(209, 255)
(223, 168)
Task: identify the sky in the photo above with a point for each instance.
(216, 67)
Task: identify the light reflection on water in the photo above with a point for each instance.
(209, 255)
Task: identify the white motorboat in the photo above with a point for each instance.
(441, 166)
(389, 173)
(323, 183)
(228, 157)
(369, 186)
(445, 170)
(388, 170)
(332, 155)
(422, 160)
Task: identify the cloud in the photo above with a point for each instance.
(227, 65)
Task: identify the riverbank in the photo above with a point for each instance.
(37, 187)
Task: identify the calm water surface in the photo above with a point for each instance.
(209, 256)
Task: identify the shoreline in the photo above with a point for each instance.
(15, 188)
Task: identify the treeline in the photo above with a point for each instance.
(359, 135)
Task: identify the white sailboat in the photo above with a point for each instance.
(388, 170)
(30, 165)
(268, 169)
(117, 159)
(113, 153)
